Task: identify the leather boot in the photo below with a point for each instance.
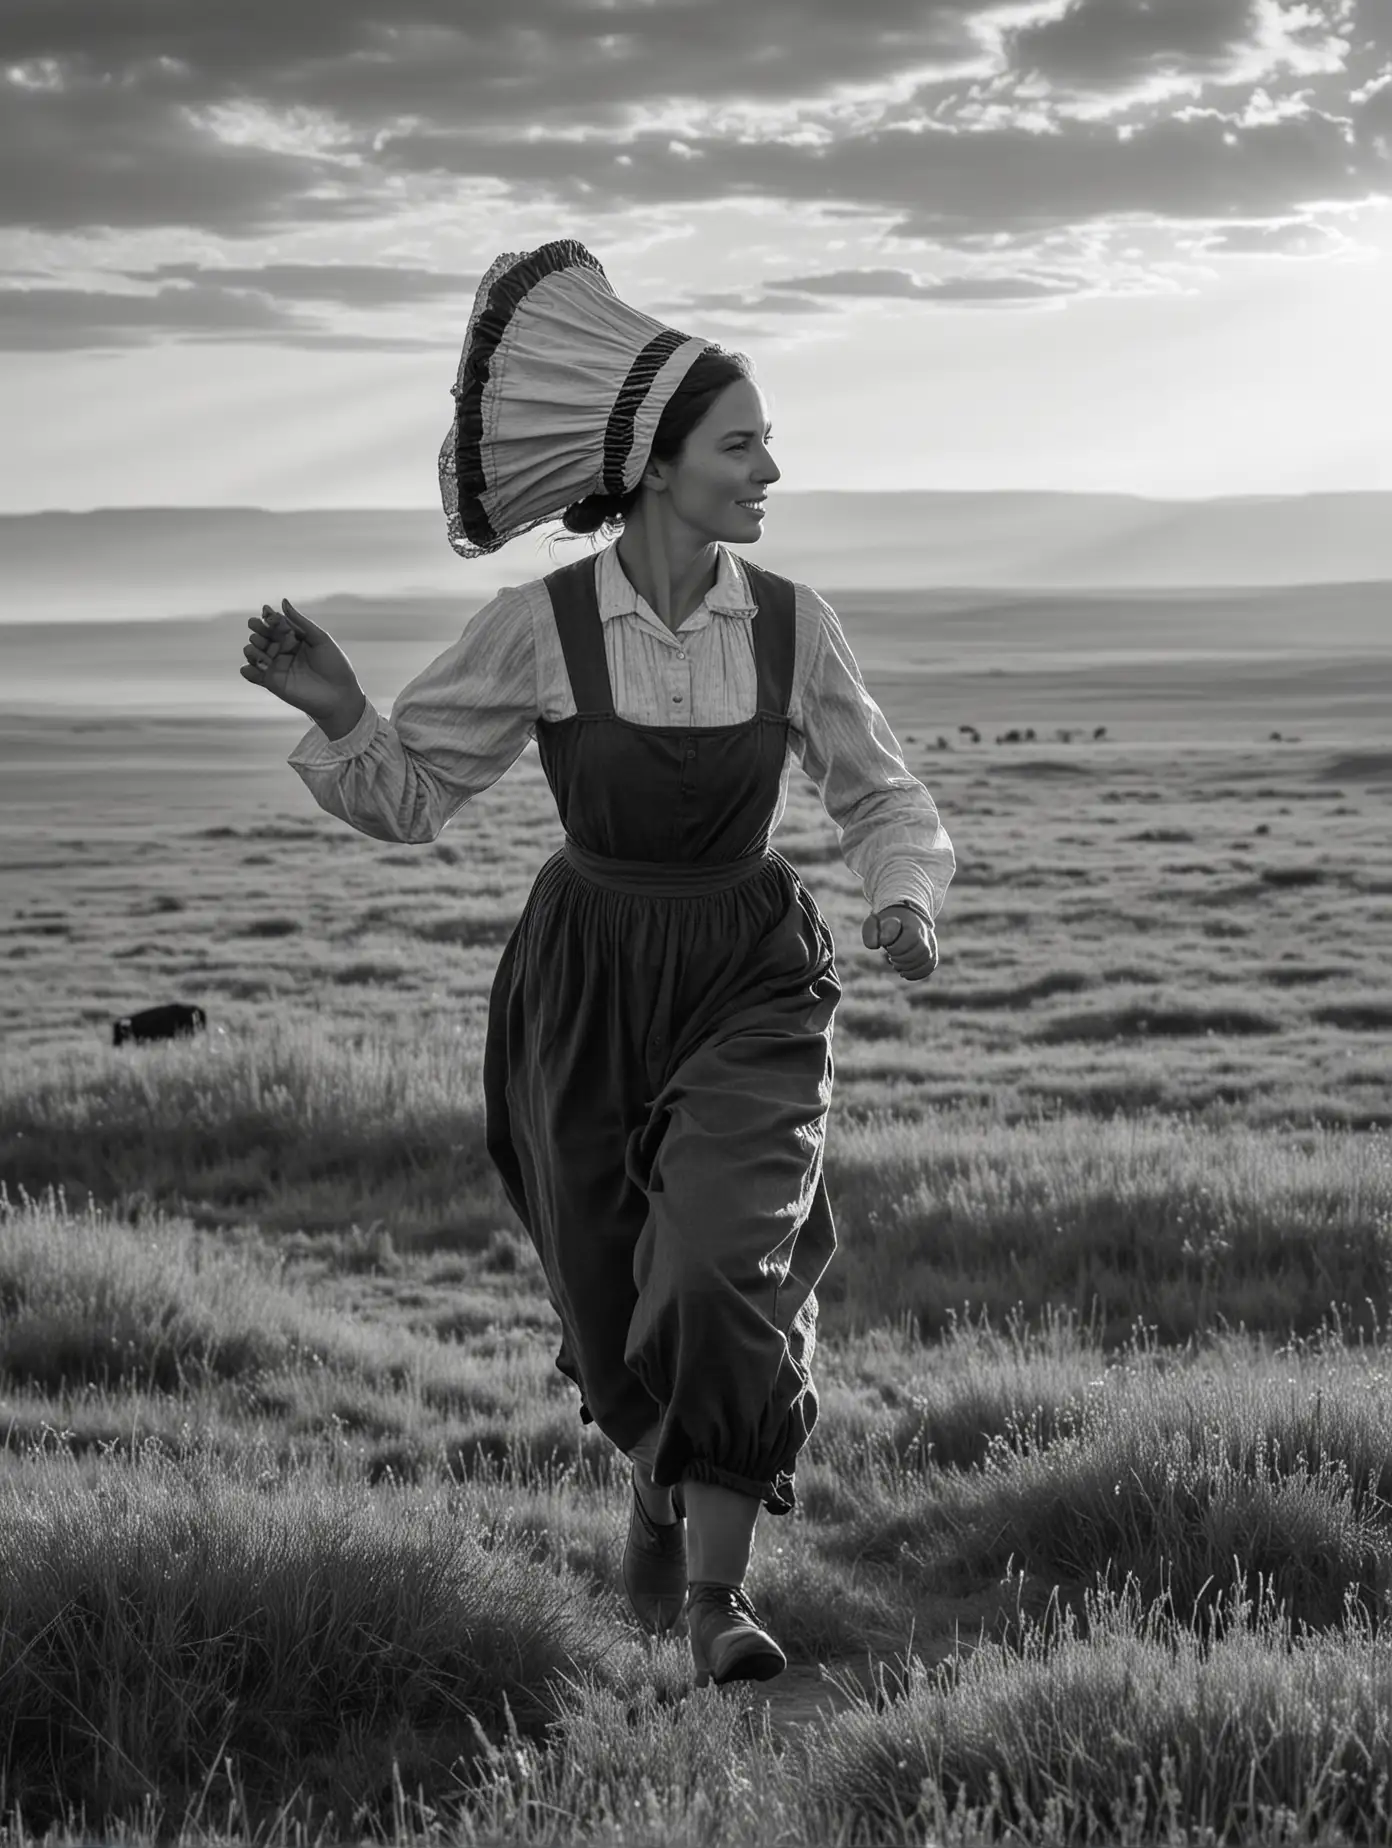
(654, 1565)
(728, 1642)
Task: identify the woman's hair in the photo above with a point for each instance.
(705, 380)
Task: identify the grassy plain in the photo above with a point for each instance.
(302, 1534)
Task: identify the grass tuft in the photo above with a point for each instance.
(1121, 1726)
(160, 1625)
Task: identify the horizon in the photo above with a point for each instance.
(211, 507)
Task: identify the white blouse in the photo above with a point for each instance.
(471, 713)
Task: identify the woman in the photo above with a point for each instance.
(657, 1067)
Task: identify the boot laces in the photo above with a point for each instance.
(730, 1597)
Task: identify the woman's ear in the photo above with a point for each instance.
(655, 477)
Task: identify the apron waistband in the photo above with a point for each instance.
(662, 879)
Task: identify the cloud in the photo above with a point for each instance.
(350, 285)
(133, 114)
(1199, 165)
(1296, 239)
(903, 285)
(945, 183)
(96, 155)
(533, 61)
(58, 319)
(730, 301)
(971, 126)
(1117, 45)
(161, 113)
(1375, 111)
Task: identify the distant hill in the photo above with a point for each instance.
(164, 562)
(1166, 659)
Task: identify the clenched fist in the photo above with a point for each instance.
(909, 944)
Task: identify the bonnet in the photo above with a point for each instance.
(559, 392)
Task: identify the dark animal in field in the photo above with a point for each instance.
(1029, 735)
(1100, 732)
(972, 734)
(1010, 737)
(174, 1019)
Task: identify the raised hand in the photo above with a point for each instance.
(299, 662)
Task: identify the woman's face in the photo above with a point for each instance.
(724, 466)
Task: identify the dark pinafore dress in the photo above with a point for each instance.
(658, 1069)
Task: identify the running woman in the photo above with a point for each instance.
(658, 1058)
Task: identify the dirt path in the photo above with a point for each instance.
(808, 1691)
(803, 1693)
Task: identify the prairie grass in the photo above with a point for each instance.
(1176, 1221)
(303, 1537)
(1194, 1476)
(1091, 962)
(994, 1472)
(1124, 1219)
(1129, 1726)
(160, 1621)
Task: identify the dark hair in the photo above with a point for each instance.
(711, 373)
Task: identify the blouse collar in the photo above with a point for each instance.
(729, 595)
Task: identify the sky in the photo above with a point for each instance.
(1118, 245)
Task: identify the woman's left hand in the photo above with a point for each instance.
(912, 949)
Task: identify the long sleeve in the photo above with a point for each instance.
(453, 731)
(889, 832)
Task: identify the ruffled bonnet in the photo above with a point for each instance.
(559, 392)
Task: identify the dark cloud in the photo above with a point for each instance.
(99, 154)
(1102, 44)
(57, 319)
(944, 183)
(1180, 168)
(350, 285)
(110, 113)
(110, 125)
(531, 61)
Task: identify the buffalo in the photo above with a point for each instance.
(174, 1020)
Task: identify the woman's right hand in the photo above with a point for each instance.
(299, 662)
